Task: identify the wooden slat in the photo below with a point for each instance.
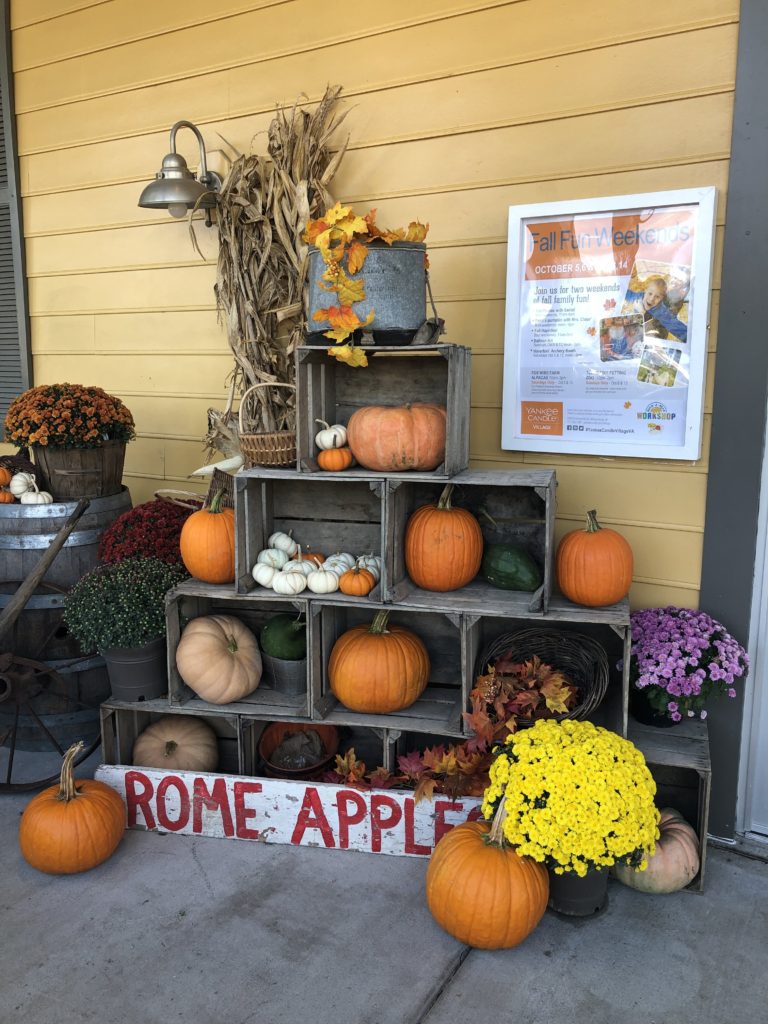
(30, 12)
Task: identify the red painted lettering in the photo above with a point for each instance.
(379, 820)
(347, 818)
(135, 800)
(411, 846)
(243, 813)
(476, 814)
(441, 825)
(162, 813)
(214, 800)
(312, 815)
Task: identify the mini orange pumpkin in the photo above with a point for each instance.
(482, 891)
(443, 545)
(72, 826)
(357, 582)
(594, 566)
(335, 460)
(208, 543)
(5, 476)
(376, 669)
(6, 498)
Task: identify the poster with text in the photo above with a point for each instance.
(606, 328)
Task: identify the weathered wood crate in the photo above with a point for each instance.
(512, 507)
(608, 626)
(321, 514)
(317, 814)
(331, 391)
(679, 761)
(439, 708)
(122, 722)
(192, 599)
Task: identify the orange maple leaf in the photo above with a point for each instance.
(416, 232)
(357, 253)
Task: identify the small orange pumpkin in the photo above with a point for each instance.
(6, 498)
(208, 543)
(312, 556)
(443, 545)
(335, 460)
(376, 669)
(72, 826)
(357, 582)
(594, 566)
(481, 891)
(5, 476)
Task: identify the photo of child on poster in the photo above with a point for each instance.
(661, 293)
(621, 337)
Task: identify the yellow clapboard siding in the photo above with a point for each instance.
(128, 333)
(30, 12)
(200, 374)
(176, 414)
(654, 595)
(144, 488)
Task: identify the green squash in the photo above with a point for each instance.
(284, 636)
(510, 567)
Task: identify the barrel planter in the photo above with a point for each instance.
(74, 473)
(395, 279)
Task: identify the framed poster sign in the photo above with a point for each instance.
(606, 325)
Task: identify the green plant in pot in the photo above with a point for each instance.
(119, 611)
(283, 642)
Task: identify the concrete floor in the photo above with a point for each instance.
(211, 931)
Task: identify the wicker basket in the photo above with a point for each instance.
(266, 449)
(580, 657)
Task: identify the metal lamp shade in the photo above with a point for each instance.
(175, 185)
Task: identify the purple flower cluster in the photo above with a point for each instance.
(680, 657)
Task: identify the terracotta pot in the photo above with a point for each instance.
(276, 732)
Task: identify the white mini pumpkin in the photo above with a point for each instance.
(283, 542)
(289, 583)
(300, 564)
(323, 581)
(21, 483)
(35, 497)
(372, 563)
(264, 573)
(330, 436)
(341, 558)
(273, 556)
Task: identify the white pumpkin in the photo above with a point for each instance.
(21, 483)
(341, 558)
(273, 556)
(264, 574)
(323, 581)
(283, 542)
(300, 564)
(177, 743)
(372, 563)
(36, 497)
(289, 583)
(330, 436)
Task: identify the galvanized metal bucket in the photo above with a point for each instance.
(395, 291)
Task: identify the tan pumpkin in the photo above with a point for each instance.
(177, 743)
(674, 864)
(443, 545)
(594, 566)
(219, 658)
(378, 669)
(394, 439)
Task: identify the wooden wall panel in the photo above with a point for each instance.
(458, 109)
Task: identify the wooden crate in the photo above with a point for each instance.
(192, 599)
(373, 745)
(438, 710)
(123, 721)
(512, 507)
(679, 761)
(321, 514)
(608, 626)
(331, 391)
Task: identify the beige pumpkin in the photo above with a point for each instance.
(218, 657)
(178, 743)
(675, 862)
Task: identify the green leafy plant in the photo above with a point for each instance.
(121, 605)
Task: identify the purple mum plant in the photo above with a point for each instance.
(681, 657)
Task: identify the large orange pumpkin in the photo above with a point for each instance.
(443, 545)
(208, 543)
(393, 439)
(72, 826)
(378, 669)
(594, 566)
(482, 892)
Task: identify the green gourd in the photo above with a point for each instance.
(510, 568)
(284, 636)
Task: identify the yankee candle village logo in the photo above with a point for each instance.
(656, 411)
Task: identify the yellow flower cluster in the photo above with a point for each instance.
(576, 796)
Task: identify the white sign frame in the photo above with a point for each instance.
(703, 255)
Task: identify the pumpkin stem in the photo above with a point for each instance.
(67, 790)
(324, 424)
(496, 835)
(170, 748)
(215, 505)
(592, 524)
(232, 644)
(379, 624)
(445, 497)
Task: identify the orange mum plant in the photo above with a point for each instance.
(67, 416)
(343, 237)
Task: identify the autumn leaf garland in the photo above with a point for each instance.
(343, 237)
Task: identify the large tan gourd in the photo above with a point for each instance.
(219, 658)
(177, 743)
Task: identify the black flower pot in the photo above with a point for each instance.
(137, 673)
(574, 896)
(644, 713)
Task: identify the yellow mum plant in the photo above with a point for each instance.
(574, 796)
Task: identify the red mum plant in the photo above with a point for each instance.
(151, 530)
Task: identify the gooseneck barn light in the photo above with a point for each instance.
(175, 187)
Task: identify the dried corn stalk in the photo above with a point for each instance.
(264, 205)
